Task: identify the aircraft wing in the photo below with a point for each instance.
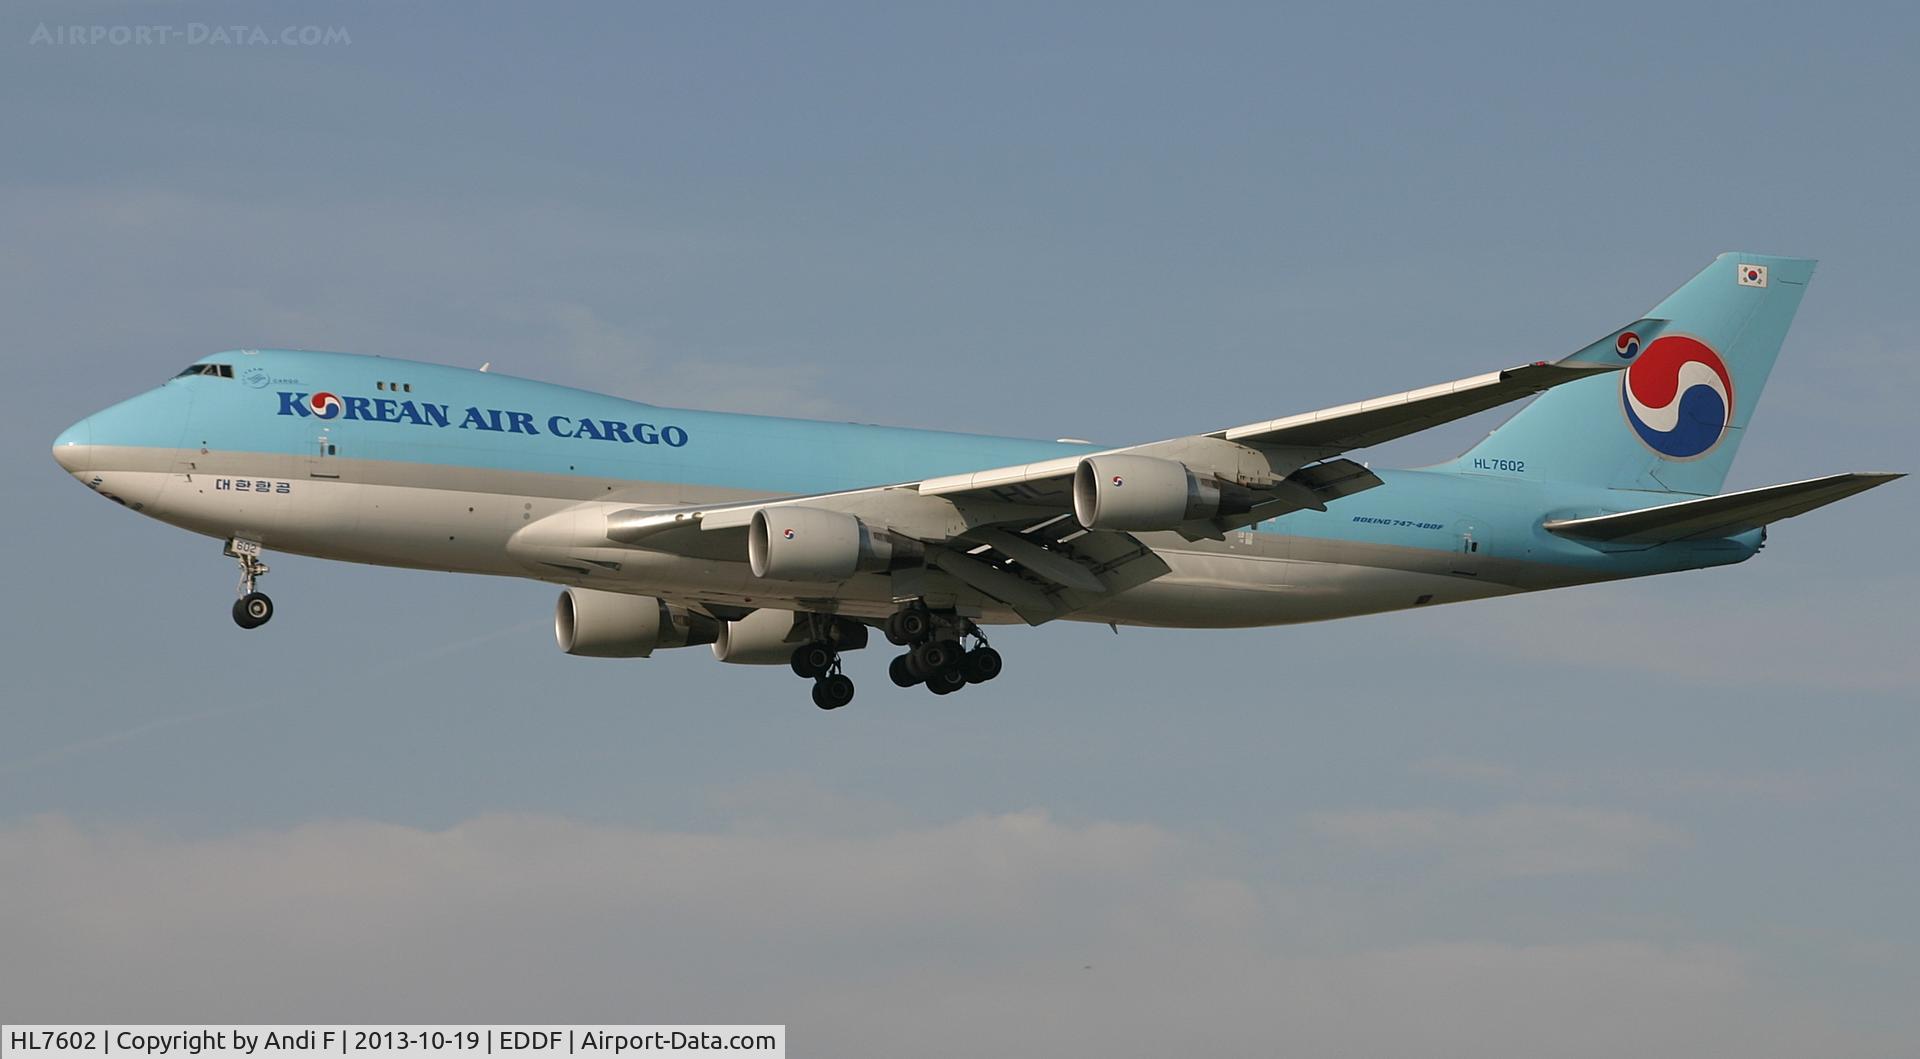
(1294, 441)
(1012, 533)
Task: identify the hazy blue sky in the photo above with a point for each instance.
(1674, 816)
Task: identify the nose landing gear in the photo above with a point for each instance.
(253, 609)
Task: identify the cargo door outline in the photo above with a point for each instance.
(1470, 546)
(323, 454)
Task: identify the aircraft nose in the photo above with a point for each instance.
(73, 449)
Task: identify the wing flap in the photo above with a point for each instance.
(1718, 516)
(1050, 570)
(1119, 560)
(1056, 566)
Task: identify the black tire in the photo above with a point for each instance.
(849, 636)
(831, 693)
(901, 670)
(892, 629)
(252, 610)
(914, 624)
(812, 659)
(982, 664)
(935, 655)
(946, 682)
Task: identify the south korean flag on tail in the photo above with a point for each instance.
(1753, 275)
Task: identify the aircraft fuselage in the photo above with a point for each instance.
(399, 463)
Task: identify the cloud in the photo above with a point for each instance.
(1512, 840)
(1013, 933)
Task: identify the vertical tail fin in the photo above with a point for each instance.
(1674, 418)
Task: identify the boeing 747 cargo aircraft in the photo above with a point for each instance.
(785, 541)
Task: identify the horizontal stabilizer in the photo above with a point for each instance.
(1718, 516)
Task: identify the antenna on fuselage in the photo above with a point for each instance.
(487, 365)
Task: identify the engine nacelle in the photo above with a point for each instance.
(616, 625)
(1122, 492)
(813, 544)
(768, 637)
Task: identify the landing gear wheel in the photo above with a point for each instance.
(901, 670)
(981, 665)
(811, 660)
(831, 693)
(909, 626)
(946, 682)
(252, 610)
(936, 655)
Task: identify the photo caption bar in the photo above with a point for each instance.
(225, 1041)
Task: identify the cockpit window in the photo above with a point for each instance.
(222, 371)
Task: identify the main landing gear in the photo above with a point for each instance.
(819, 660)
(820, 663)
(253, 609)
(937, 655)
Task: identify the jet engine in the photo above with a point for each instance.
(813, 544)
(616, 625)
(1121, 492)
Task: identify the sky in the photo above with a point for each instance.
(1666, 816)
